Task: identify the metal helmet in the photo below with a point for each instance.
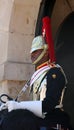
(38, 43)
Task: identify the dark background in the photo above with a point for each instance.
(64, 45)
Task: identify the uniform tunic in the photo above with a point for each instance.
(48, 88)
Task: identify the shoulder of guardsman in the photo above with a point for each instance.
(55, 71)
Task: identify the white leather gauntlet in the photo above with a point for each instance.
(33, 106)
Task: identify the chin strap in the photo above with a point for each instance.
(41, 55)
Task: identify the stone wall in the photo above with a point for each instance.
(17, 26)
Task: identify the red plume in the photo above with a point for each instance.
(48, 37)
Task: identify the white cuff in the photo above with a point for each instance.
(33, 106)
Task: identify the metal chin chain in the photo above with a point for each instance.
(41, 55)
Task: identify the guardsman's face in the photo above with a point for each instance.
(35, 54)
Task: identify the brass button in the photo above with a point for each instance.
(54, 76)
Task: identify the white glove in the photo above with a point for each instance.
(11, 105)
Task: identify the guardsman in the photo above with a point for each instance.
(47, 83)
